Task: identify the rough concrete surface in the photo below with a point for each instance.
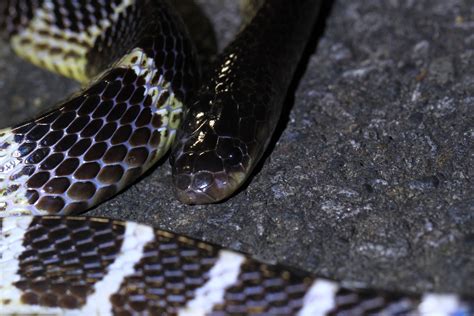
(370, 179)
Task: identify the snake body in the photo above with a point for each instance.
(105, 136)
(84, 266)
(142, 71)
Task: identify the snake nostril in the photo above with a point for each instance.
(203, 180)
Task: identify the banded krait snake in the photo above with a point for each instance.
(104, 137)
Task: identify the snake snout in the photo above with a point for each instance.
(209, 160)
(209, 177)
(203, 187)
(192, 189)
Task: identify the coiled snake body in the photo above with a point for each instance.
(141, 66)
(107, 135)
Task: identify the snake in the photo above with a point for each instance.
(140, 80)
(226, 130)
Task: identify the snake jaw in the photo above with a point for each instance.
(203, 176)
(194, 197)
(205, 187)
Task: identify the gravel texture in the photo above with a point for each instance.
(370, 176)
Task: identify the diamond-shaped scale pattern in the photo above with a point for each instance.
(63, 260)
(94, 145)
(165, 279)
(264, 290)
(16, 15)
(372, 303)
(227, 130)
(101, 265)
(107, 135)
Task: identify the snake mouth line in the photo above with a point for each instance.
(206, 188)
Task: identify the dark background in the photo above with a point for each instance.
(370, 179)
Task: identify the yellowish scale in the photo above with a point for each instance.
(60, 50)
(171, 108)
(64, 52)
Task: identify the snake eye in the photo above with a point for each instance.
(229, 151)
(234, 157)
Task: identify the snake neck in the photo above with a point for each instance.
(228, 127)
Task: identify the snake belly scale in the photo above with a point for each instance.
(139, 71)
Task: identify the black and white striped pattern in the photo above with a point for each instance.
(81, 266)
(140, 68)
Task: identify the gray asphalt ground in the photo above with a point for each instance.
(370, 177)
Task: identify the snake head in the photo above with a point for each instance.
(203, 177)
(204, 187)
(210, 163)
